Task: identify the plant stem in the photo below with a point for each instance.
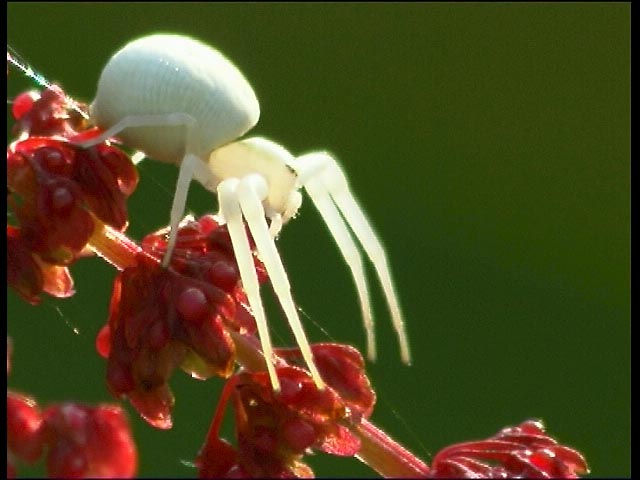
(386, 456)
(115, 247)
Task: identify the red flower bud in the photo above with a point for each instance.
(88, 442)
(525, 451)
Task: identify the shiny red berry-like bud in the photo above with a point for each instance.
(23, 103)
(298, 434)
(23, 427)
(192, 305)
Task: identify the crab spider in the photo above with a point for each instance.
(180, 101)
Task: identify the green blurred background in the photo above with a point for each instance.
(489, 144)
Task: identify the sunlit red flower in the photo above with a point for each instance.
(275, 430)
(162, 318)
(52, 176)
(49, 206)
(60, 194)
(342, 368)
(24, 419)
(44, 114)
(29, 275)
(79, 441)
(88, 442)
(525, 451)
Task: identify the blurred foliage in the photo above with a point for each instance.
(490, 145)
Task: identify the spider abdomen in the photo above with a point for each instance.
(168, 74)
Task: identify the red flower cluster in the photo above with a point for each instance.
(274, 431)
(525, 451)
(80, 441)
(164, 318)
(59, 193)
(45, 114)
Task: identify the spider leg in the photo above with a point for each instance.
(230, 210)
(275, 225)
(331, 177)
(331, 216)
(157, 120)
(191, 166)
(251, 191)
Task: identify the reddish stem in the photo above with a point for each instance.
(114, 246)
(214, 430)
(386, 456)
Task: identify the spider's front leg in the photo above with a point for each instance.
(191, 165)
(244, 197)
(327, 186)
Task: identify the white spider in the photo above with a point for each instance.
(182, 102)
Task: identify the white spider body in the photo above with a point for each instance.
(182, 102)
(168, 74)
(257, 155)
